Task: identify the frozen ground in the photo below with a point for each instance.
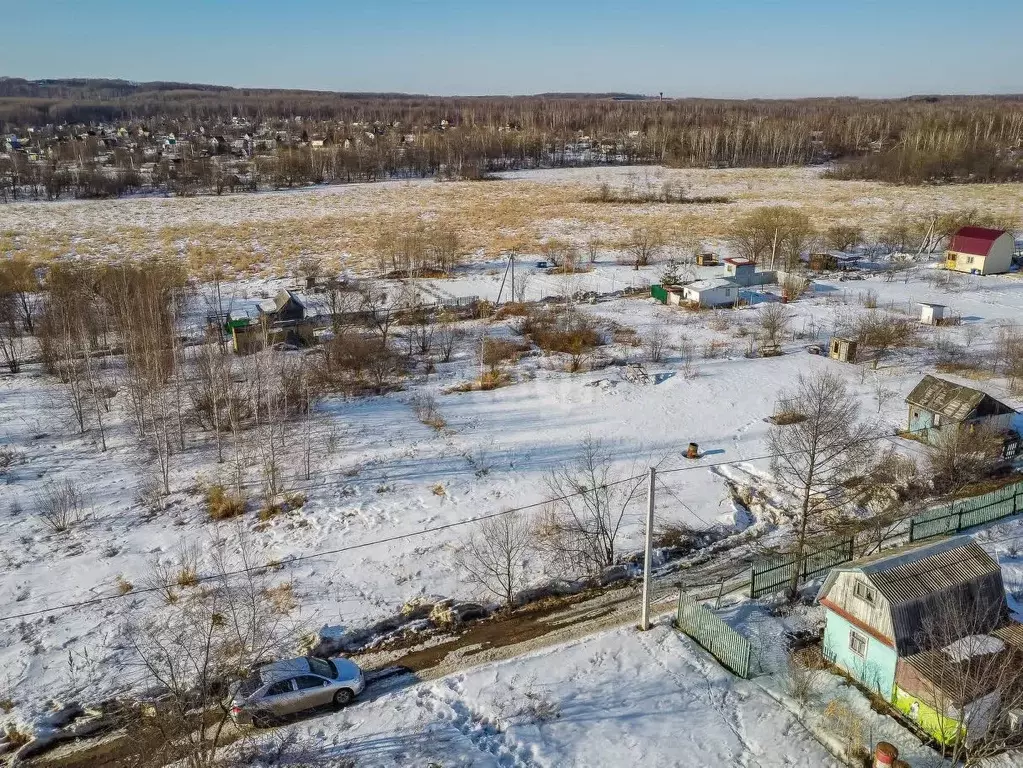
(378, 472)
(620, 698)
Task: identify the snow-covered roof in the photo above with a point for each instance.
(973, 645)
(710, 284)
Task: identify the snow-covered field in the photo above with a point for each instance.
(620, 698)
(378, 473)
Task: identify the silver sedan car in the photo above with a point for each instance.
(286, 687)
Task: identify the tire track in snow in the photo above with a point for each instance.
(481, 731)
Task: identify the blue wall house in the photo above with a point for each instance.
(936, 406)
(884, 610)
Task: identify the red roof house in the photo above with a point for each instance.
(980, 251)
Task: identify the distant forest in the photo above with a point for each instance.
(926, 139)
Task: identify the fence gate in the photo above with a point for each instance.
(725, 644)
(774, 575)
(967, 513)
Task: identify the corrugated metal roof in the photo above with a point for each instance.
(954, 401)
(919, 573)
(975, 240)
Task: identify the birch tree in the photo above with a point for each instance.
(816, 456)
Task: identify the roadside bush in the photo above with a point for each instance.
(222, 504)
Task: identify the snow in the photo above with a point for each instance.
(618, 698)
(376, 470)
(973, 645)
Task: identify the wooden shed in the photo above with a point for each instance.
(842, 349)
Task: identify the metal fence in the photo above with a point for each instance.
(775, 574)
(725, 644)
(967, 513)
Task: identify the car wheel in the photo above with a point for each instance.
(344, 697)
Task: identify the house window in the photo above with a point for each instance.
(857, 643)
(864, 592)
(728, 291)
(969, 259)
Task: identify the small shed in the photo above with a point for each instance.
(842, 349)
(706, 260)
(739, 268)
(821, 262)
(931, 314)
(717, 292)
(936, 404)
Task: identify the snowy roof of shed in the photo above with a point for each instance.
(954, 401)
(711, 284)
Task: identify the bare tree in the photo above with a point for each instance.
(655, 343)
(974, 683)
(19, 281)
(774, 321)
(193, 653)
(643, 246)
(772, 232)
(958, 455)
(580, 527)
(819, 454)
(12, 343)
(593, 246)
(448, 336)
(495, 553)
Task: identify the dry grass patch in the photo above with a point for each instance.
(270, 232)
(222, 504)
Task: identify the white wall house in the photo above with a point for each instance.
(717, 292)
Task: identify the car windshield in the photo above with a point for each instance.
(322, 668)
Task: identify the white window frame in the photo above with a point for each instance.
(854, 635)
(865, 592)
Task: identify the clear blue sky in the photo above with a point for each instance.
(718, 48)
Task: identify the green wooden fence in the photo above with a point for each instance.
(725, 644)
(967, 513)
(775, 574)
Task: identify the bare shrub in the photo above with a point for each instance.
(794, 286)
(570, 333)
(643, 246)
(425, 406)
(804, 677)
(869, 299)
(842, 237)
(495, 553)
(958, 456)
(655, 344)
(579, 529)
(61, 505)
(479, 461)
(497, 351)
(883, 331)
